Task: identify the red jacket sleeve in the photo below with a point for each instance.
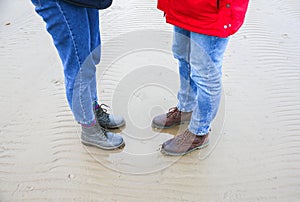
(162, 5)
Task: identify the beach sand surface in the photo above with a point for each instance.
(255, 139)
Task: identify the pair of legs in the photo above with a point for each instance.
(200, 67)
(76, 36)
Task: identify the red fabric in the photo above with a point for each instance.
(220, 18)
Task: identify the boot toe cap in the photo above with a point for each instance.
(114, 139)
(116, 121)
(158, 122)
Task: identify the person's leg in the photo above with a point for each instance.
(206, 55)
(187, 90)
(206, 71)
(95, 47)
(181, 51)
(69, 28)
(105, 119)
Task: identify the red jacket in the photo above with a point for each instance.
(220, 18)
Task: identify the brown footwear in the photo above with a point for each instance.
(184, 143)
(172, 118)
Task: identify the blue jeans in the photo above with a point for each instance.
(200, 67)
(76, 36)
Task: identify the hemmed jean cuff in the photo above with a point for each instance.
(183, 109)
(88, 122)
(199, 132)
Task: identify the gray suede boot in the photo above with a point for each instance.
(106, 120)
(98, 137)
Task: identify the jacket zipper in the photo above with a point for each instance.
(218, 4)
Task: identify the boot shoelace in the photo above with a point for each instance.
(173, 112)
(102, 113)
(181, 139)
(102, 132)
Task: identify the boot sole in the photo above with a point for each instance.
(104, 148)
(114, 127)
(184, 153)
(166, 127)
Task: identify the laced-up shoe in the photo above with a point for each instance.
(107, 120)
(172, 118)
(184, 143)
(97, 136)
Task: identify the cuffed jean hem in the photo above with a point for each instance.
(199, 131)
(184, 109)
(86, 122)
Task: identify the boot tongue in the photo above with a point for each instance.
(173, 112)
(96, 105)
(102, 115)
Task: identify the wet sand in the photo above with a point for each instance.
(255, 139)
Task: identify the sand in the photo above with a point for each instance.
(255, 139)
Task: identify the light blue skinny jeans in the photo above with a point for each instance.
(200, 68)
(76, 36)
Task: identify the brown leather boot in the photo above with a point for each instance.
(172, 118)
(184, 143)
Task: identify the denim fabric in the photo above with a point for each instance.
(200, 67)
(76, 36)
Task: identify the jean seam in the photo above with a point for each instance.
(189, 68)
(213, 46)
(200, 130)
(213, 49)
(77, 57)
(183, 106)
